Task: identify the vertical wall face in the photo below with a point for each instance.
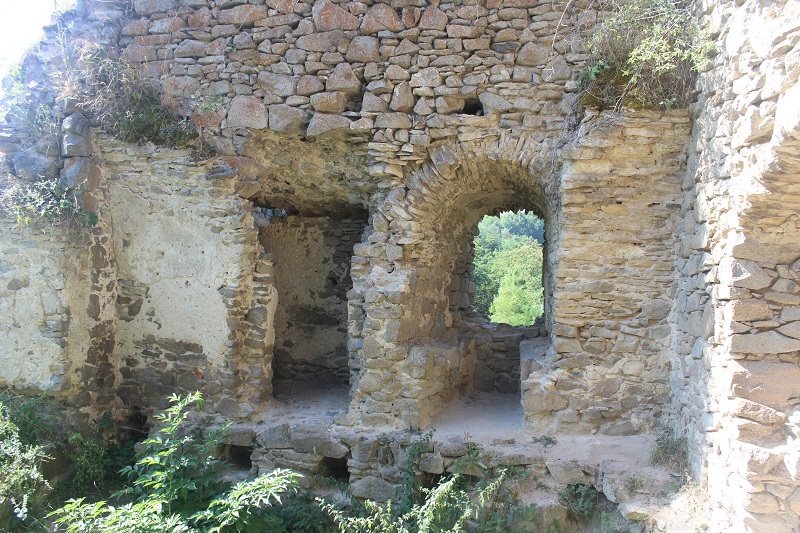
(311, 264)
(37, 309)
(185, 256)
(736, 347)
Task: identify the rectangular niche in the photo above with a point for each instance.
(311, 257)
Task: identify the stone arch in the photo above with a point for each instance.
(408, 296)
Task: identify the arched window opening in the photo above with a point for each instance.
(507, 268)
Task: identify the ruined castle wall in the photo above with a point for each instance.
(184, 250)
(311, 263)
(735, 363)
(37, 309)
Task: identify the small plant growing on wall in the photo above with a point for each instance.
(646, 54)
(44, 200)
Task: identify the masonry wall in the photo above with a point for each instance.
(311, 261)
(735, 346)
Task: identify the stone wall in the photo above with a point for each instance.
(735, 344)
(386, 131)
(311, 265)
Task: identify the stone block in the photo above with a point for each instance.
(148, 7)
(335, 102)
(325, 125)
(287, 119)
(343, 79)
(374, 488)
(317, 440)
(243, 15)
(767, 382)
(277, 84)
(381, 17)
(247, 112)
(329, 16)
(770, 342)
(432, 18)
(363, 49)
(533, 55)
(320, 42)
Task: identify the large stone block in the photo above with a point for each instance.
(767, 382)
(329, 16)
(247, 112)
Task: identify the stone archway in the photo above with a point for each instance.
(408, 295)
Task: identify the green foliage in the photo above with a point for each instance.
(581, 500)
(177, 465)
(116, 96)
(646, 54)
(44, 200)
(508, 268)
(444, 508)
(20, 477)
(96, 462)
(177, 489)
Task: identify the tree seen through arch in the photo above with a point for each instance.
(508, 268)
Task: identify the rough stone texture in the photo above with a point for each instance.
(671, 272)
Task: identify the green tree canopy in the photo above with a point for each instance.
(508, 268)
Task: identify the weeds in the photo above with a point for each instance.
(646, 54)
(581, 500)
(44, 200)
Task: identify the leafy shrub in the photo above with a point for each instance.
(646, 54)
(97, 461)
(581, 500)
(446, 507)
(177, 489)
(20, 477)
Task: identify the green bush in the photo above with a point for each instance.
(176, 487)
(646, 53)
(44, 200)
(581, 500)
(20, 476)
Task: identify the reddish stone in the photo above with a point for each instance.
(200, 18)
(411, 16)
(320, 42)
(247, 112)
(363, 50)
(381, 17)
(284, 6)
(245, 15)
(328, 16)
(533, 55)
(433, 18)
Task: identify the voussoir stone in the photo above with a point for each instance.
(329, 16)
(247, 112)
